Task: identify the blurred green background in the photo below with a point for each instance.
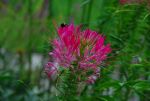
(28, 26)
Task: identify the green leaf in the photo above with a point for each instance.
(142, 86)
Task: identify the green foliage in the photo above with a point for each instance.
(28, 26)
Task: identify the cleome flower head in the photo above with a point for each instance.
(82, 51)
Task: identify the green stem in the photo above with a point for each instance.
(89, 12)
(50, 10)
(69, 9)
(70, 89)
(21, 69)
(83, 13)
(29, 51)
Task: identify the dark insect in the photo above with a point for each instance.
(63, 25)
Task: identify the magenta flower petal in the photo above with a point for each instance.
(84, 48)
(50, 69)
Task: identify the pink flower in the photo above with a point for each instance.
(92, 78)
(82, 50)
(133, 1)
(50, 69)
(123, 1)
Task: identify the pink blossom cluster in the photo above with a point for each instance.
(133, 1)
(78, 50)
